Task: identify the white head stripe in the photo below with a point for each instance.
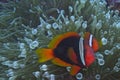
(81, 50)
(90, 40)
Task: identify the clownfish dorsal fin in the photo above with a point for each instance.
(44, 54)
(86, 35)
(53, 44)
(72, 55)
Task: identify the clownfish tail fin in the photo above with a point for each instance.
(44, 54)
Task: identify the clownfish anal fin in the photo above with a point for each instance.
(44, 54)
(60, 62)
(72, 55)
(74, 70)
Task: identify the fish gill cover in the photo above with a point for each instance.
(29, 24)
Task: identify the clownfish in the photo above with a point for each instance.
(70, 49)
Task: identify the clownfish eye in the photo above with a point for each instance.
(93, 43)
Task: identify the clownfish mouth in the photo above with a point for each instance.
(81, 51)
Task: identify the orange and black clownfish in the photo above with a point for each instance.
(70, 49)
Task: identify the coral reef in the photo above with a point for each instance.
(28, 24)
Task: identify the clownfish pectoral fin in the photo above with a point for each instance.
(60, 62)
(72, 55)
(59, 38)
(74, 70)
(44, 54)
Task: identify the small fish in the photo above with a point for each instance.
(70, 49)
